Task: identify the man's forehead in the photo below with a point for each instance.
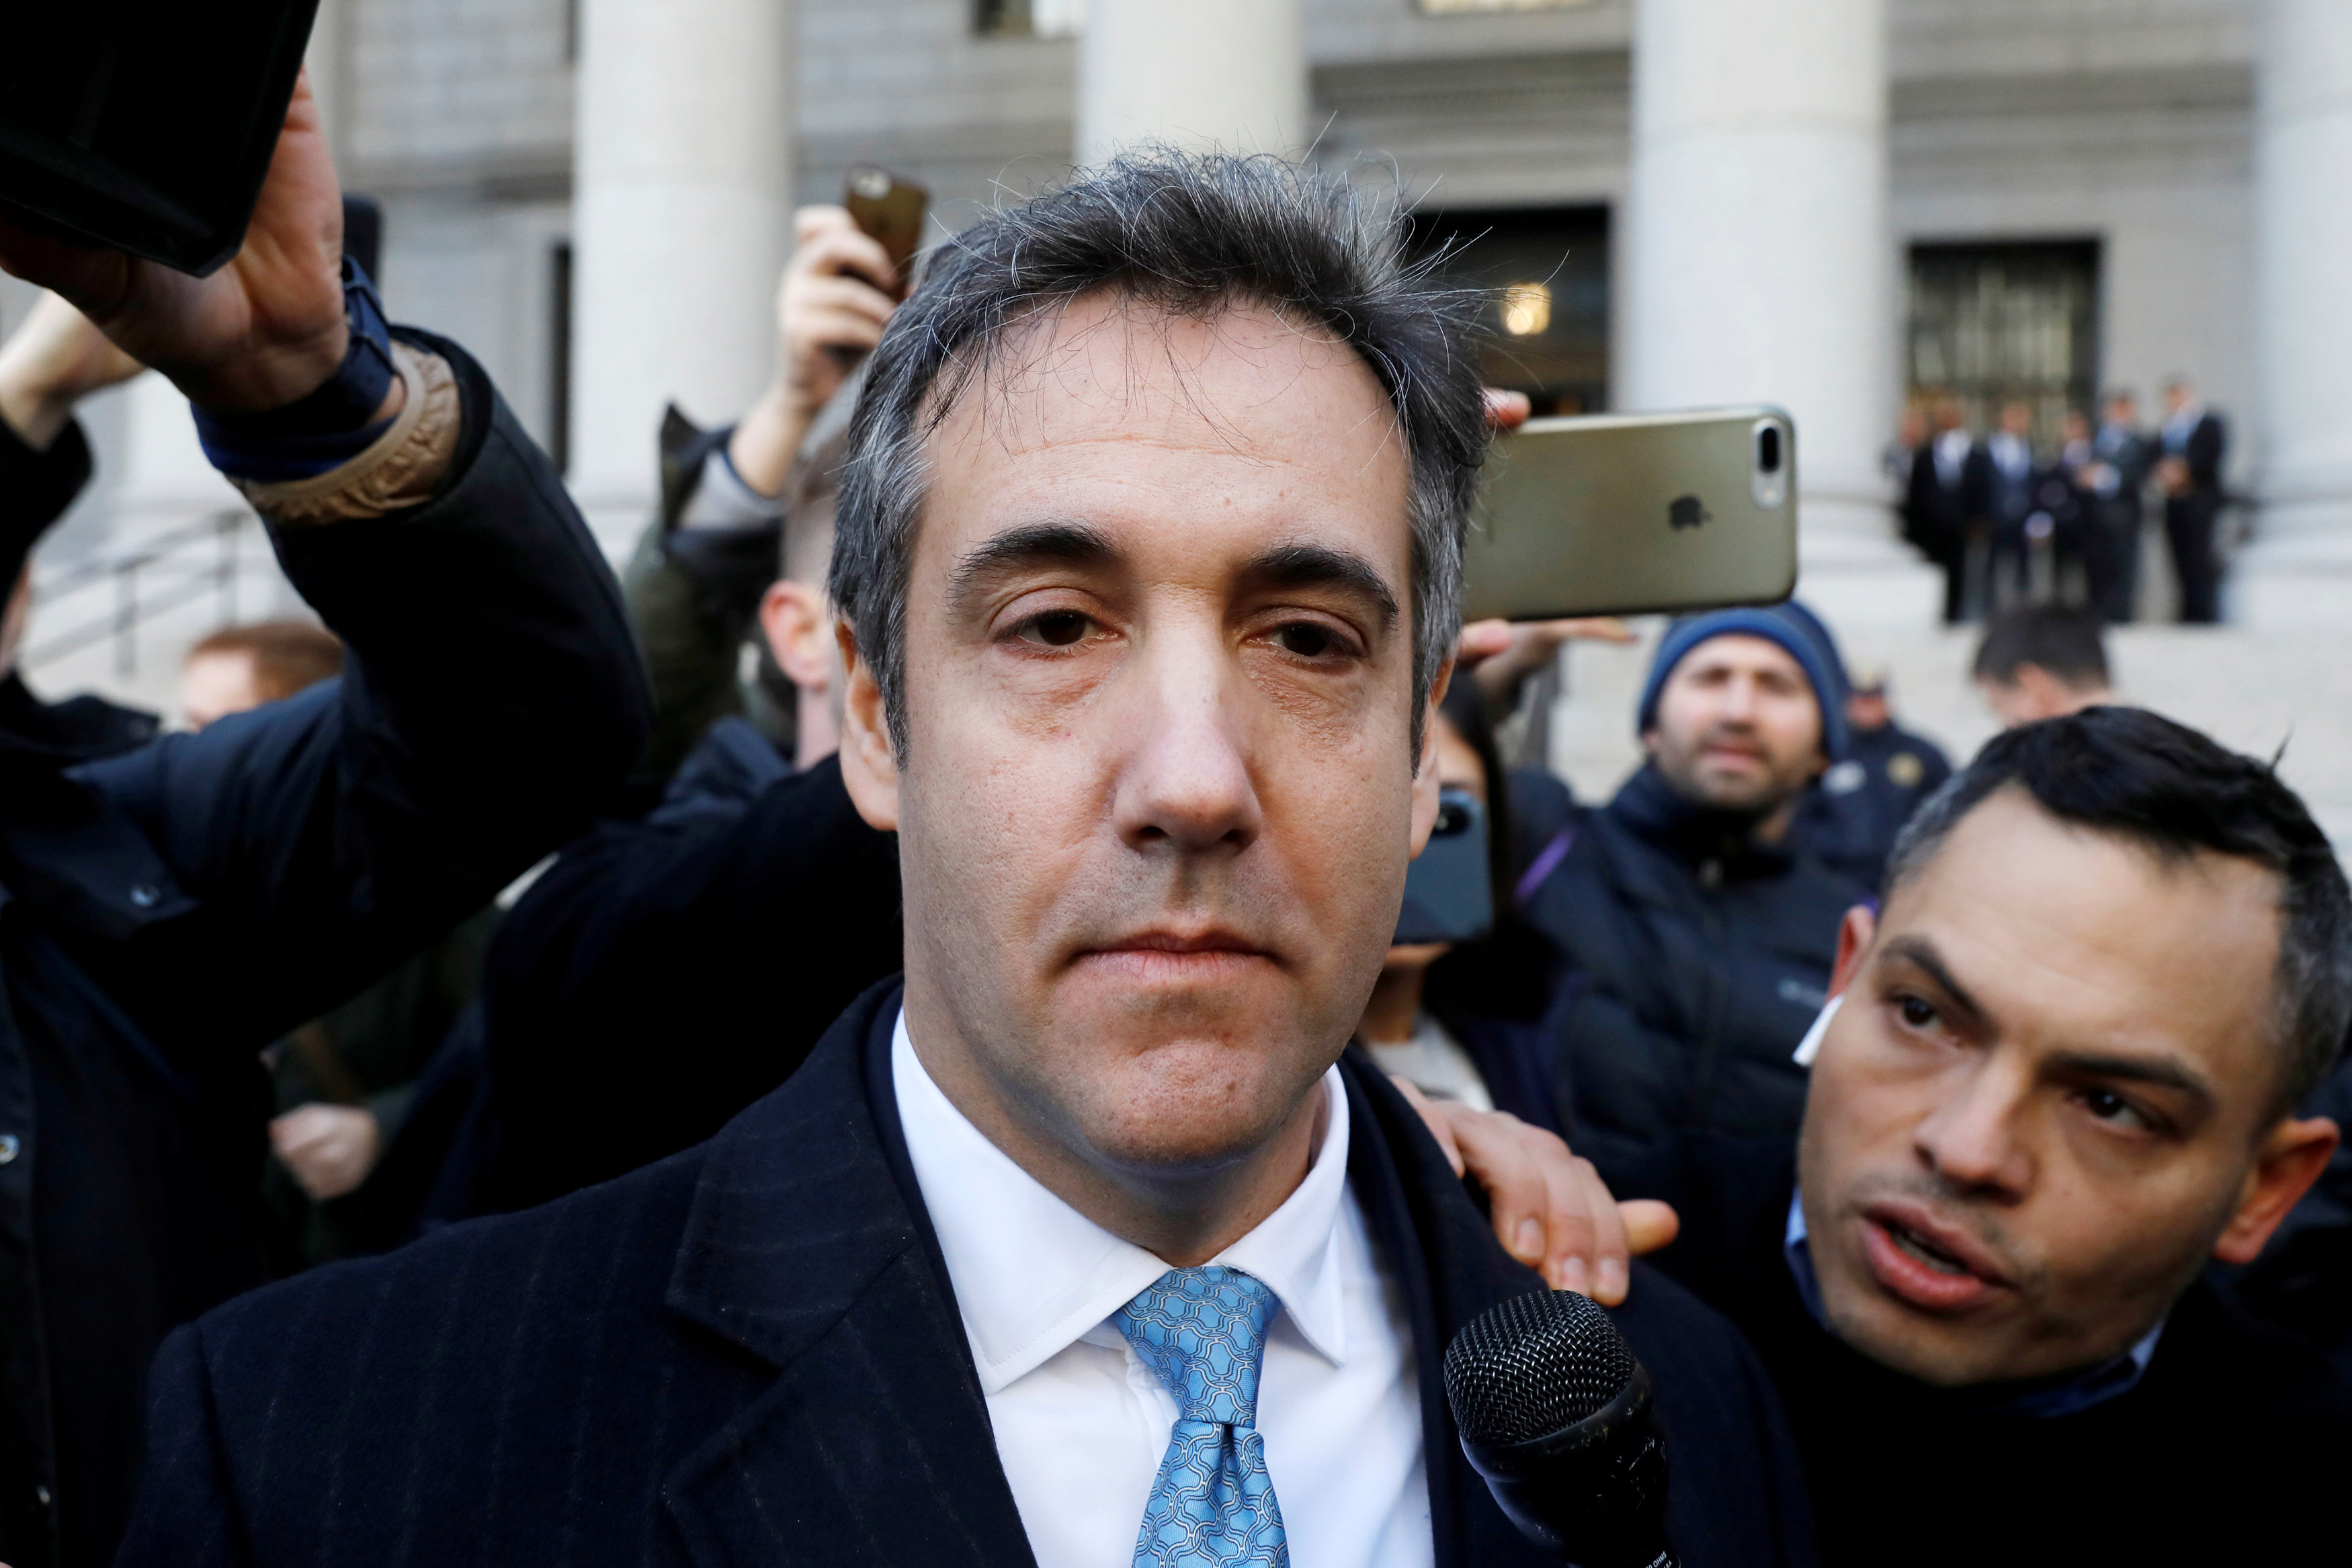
(1740, 650)
(1216, 432)
(1109, 365)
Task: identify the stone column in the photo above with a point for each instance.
(682, 203)
(1760, 264)
(1230, 74)
(2299, 567)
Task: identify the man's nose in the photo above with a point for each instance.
(1186, 779)
(1974, 1138)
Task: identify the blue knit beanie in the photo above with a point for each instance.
(1794, 628)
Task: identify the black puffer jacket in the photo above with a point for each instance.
(1697, 958)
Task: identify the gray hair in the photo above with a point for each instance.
(1190, 234)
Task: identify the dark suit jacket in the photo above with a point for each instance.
(749, 1354)
(664, 974)
(2203, 452)
(1935, 515)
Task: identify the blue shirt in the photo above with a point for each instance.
(2065, 1396)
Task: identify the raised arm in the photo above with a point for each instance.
(492, 695)
(694, 581)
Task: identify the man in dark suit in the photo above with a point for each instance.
(1939, 508)
(2193, 441)
(1083, 1244)
(2116, 478)
(2004, 489)
(2060, 1080)
(172, 909)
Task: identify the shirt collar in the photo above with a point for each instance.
(1032, 1275)
(2042, 1401)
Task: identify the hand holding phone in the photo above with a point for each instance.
(891, 210)
(263, 331)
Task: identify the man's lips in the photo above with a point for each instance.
(1172, 954)
(1920, 1260)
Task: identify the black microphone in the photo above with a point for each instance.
(1554, 1413)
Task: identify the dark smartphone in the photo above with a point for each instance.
(1449, 891)
(891, 210)
(146, 126)
(1614, 514)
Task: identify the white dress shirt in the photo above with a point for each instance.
(1952, 457)
(1082, 1423)
(2010, 453)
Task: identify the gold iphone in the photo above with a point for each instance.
(1614, 514)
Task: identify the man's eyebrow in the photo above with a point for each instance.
(1921, 954)
(1321, 566)
(2159, 1070)
(1024, 548)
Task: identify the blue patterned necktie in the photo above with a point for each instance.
(1201, 1331)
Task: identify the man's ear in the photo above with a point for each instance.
(1861, 923)
(1424, 770)
(796, 621)
(869, 767)
(2291, 1158)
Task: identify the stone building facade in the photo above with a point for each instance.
(591, 195)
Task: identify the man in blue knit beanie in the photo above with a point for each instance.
(1698, 942)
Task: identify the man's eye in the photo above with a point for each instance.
(1307, 640)
(1915, 1012)
(2109, 1106)
(1056, 627)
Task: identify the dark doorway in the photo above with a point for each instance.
(1994, 323)
(1545, 274)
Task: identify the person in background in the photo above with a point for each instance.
(2042, 661)
(46, 366)
(1940, 507)
(174, 908)
(2116, 479)
(1849, 820)
(1540, 800)
(753, 876)
(2193, 442)
(342, 1082)
(1457, 1025)
(2064, 510)
(1698, 939)
(2060, 1079)
(241, 667)
(705, 569)
(2006, 499)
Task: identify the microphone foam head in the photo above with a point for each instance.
(1533, 1365)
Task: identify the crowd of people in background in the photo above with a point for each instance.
(2008, 521)
(1926, 1129)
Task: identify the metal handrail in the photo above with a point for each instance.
(223, 529)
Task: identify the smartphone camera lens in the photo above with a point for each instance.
(1767, 449)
